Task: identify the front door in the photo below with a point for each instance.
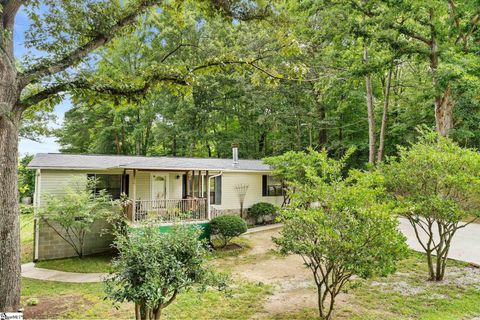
(159, 188)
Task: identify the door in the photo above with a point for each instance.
(159, 189)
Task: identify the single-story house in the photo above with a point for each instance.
(166, 187)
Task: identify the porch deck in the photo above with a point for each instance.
(168, 210)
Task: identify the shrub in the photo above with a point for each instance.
(262, 209)
(32, 302)
(26, 209)
(353, 233)
(437, 187)
(227, 227)
(72, 215)
(153, 267)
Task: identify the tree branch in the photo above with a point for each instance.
(409, 33)
(175, 50)
(227, 8)
(47, 92)
(9, 12)
(83, 84)
(81, 52)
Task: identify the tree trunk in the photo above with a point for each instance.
(9, 212)
(261, 144)
(431, 271)
(383, 129)
(157, 313)
(322, 131)
(443, 96)
(371, 116)
(10, 114)
(137, 311)
(444, 112)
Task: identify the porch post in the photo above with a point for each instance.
(209, 215)
(187, 182)
(193, 184)
(200, 195)
(134, 194)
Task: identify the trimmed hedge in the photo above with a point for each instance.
(227, 227)
(262, 209)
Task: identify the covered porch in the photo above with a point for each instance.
(167, 196)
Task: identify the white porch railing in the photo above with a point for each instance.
(169, 210)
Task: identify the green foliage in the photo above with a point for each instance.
(261, 209)
(310, 170)
(435, 182)
(153, 267)
(32, 302)
(71, 216)
(26, 209)
(341, 227)
(26, 177)
(227, 227)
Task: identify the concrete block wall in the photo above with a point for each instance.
(52, 246)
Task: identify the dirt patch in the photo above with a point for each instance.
(229, 247)
(51, 308)
(292, 283)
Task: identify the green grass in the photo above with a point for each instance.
(102, 263)
(96, 263)
(407, 295)
(404, 295)
(26, 237)
(67, 300)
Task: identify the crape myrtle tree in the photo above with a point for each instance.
(340, 227)
(71, 217)
(154, 267)
(437, 187)
(66, 34)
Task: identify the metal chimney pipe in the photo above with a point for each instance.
(235, 153)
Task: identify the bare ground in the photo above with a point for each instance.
(292, 283)
(49, 308)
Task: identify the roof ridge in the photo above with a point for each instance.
(137, 156)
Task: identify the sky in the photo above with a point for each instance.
(46, 144)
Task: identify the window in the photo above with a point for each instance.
(216, 190)
(112, 183)
(271, 186)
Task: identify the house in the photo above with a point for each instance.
(167, 188)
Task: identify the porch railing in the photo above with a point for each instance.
(169, 210)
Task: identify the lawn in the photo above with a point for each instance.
(404, 295)
(66, 300)
(408, 295)
(26, 237)
(96, 263)
(102, 262)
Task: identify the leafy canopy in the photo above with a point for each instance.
(436, 178)
(153, 267)
(436, 184)
(340, 226)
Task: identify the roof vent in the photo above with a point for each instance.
(235, 153)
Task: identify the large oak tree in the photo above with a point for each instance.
(66, 34)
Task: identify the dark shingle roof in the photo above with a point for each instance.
(81, 161)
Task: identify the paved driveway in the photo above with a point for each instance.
(465, 245)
